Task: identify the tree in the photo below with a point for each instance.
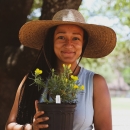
(15, 59)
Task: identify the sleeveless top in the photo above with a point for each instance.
(83, 115)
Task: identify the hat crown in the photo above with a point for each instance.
(69, 15)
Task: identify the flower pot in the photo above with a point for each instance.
(60, 115)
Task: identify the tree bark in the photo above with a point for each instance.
(50, 7)
(16, 60)
(13, 14)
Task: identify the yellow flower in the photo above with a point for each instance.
(63, 65)
(82, 87)
(69, 66)
(38, 71)
(76, 86)
(53, 70)
(75, 78)
(66, 80)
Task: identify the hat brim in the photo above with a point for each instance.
(101, 41)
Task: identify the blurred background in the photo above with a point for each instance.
(16, 60)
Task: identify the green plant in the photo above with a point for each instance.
(64, 84)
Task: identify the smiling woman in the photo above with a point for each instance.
(68, 42)
(65, 40)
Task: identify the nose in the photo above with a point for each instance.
(68, 43)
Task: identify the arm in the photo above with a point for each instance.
(102, 104)
(11, 122)
(13, 125)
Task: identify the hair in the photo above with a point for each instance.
(45, 60)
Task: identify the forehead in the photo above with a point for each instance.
(69, 27)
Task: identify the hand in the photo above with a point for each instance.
(38, 119)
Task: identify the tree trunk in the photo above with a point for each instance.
(16, 60)
(50, 7)
(13, 14)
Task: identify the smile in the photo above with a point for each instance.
(68, 53)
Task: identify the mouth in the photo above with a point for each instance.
(68, 53)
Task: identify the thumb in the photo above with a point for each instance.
(36, 106)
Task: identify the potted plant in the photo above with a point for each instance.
(62, 89)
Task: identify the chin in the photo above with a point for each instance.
(69, 61)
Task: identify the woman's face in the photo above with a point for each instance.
(68, 42)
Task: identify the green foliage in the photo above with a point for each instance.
(116, 12)
(63, 84)
(121, 10)
(102, 66)
(126, 74)
(36, 10)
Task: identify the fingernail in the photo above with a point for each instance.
(47, 118)
(47, 125)
(42, 112)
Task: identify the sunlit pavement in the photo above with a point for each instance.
(121, 119)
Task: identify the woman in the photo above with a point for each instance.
(65, 40)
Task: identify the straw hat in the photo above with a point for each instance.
(101, 41)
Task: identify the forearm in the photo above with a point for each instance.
(15, 126)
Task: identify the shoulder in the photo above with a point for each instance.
(100, 89)
(99, 80)
(99, 84)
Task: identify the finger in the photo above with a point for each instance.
(39, 123)
(42, 119)
(40, 126)
(43, 126)
(36, 107)
(38, 114)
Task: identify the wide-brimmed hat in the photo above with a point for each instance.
(101, 39)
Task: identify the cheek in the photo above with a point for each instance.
(79, 48)
(56, 47)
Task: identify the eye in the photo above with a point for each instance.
(61, 37)
(76, 38)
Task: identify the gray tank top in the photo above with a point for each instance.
(83, 117)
